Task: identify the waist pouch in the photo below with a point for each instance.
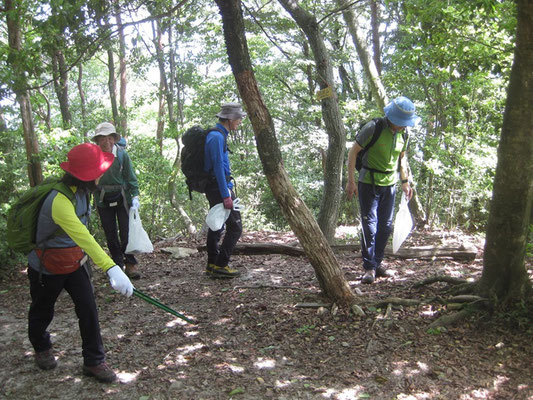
(61, 261)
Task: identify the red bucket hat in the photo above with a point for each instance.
(87, 162)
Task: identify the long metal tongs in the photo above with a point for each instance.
(160, 305)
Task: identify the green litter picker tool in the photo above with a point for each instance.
(163, 307)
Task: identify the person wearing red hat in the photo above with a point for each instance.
(60, 263)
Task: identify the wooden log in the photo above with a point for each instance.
(458, 253)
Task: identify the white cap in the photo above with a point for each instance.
(105, 129)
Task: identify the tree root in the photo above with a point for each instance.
(440, 278)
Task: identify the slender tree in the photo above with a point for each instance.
(14, 14)
(331, 198)
(328, 272)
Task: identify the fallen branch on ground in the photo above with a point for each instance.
(458, 253)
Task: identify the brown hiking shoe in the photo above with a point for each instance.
(45, 359)
(382, 272)
(131, 271)
(369, 276)
(101, 372)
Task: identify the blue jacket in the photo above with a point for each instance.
(216, 160)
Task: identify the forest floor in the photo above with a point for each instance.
(251, 342)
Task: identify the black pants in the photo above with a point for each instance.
(117, 246)
(43, 298)
(220, 254)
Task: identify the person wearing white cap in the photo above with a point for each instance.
(220, 190)
(118, 191)
(376, 188)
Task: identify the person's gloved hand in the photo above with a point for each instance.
(228, 203)
(120, 281)
(135, 203)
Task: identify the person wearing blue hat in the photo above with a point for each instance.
(376, 188)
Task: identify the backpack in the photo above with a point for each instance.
(380, 124)
(23, 216)
(192, 158)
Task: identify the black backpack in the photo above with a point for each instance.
(380, 124)
(192, 158)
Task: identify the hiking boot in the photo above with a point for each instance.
(214, 271)
(209, 268)
(369, 276)
(382, 272)
(45, 359)
(101, 372)
(131, 271)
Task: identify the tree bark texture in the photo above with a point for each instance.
(112, 85)
(371, 71)
(123, 106)
(331, 198)
(374, 22)
(83, 101)
(504, 274)
(321, 257)
(60, 72)
(14, 59)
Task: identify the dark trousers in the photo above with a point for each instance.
(117, 246)
(43, 298)
(220, 254)
(377, 208)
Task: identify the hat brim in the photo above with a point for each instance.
(232, 116)
(398, 119)
(90, 174)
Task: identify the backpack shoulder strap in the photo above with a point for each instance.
(379, 125)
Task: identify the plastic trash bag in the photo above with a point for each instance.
(138, 240)
(402, 225)
(217, 215)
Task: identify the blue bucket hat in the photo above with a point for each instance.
(401, 112)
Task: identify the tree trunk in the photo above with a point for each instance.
(331, 198)
(504, 276)
(123, 106)
(35, 173)
(374, 22)
(321, 257)
(60, 78)
(112, 85)
(83, 101)
(371, 71)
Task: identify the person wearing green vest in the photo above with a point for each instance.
(376, 188)
(118, 192)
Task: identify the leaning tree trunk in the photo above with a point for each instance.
(331, 198)
(16, 61)
(371, 71)
(504, 276)
(328, 272)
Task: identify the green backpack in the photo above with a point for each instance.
(23, 216)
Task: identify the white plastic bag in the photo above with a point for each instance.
(217, 214)
(138, 240)
(402, 225)
(216, 217)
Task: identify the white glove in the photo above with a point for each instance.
(120, 281)
(135, 203)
